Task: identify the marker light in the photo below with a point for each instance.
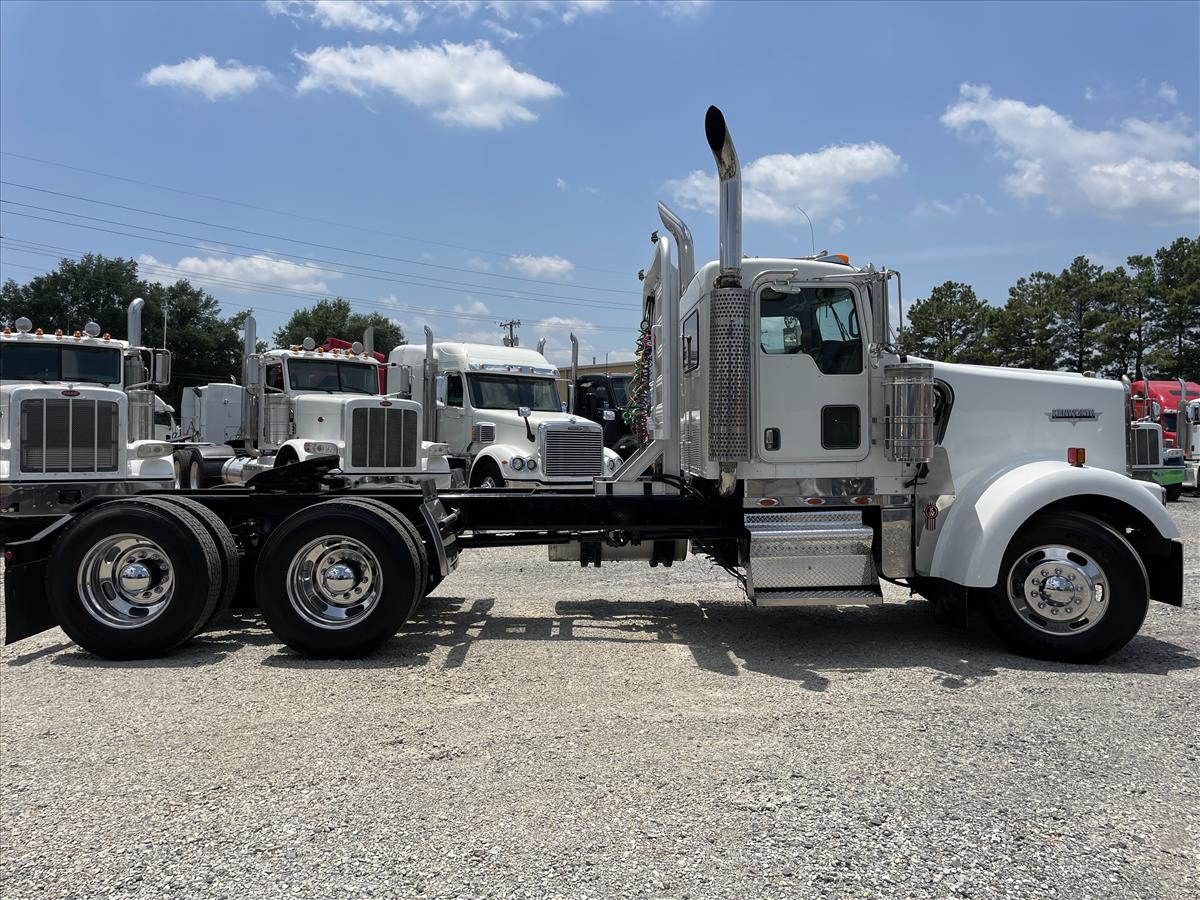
(1076, 456)
(320, 448)
(153, 449)
(23, 325)
(91, 329)
(308, 343)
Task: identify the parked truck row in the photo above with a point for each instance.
(785, 438)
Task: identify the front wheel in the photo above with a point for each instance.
(1071, 589)
(1174, 492)
(486, 474)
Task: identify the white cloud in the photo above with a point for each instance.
(837, 225)
(1167, 92)
(951, 209)
(560, 184)
(249, 272)
(681, 9)
(480, 265)
(1143, 171)
(505, 34)
(473, 85)
(471, 306)
(208, 77)
(567, 11)
(542, 266)
(357, 15)
(1089, 94)
(774, 186)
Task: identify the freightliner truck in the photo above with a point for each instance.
(77, 420)
(791, 442)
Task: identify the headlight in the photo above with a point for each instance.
(531, 463)
(517, 464)
(612, 464)
(320, 448)
(154, 449)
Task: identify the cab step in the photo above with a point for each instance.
(811, 557)
(819, 597)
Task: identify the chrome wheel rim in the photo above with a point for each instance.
(334, 582)
(489, 481)
(1058, 590)
(194, 475)
(179, 485)
(125, 581)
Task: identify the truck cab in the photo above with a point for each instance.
(595, 395)
(1159, 400)
(497, 411)
(76, 418)
(298, 403)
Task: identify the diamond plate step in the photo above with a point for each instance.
(830, 597)
(810, 551)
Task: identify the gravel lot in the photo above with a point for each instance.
(544, 730)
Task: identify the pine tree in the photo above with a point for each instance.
(950, 325)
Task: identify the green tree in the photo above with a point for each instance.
(1176, 328)
(334, 319)
(205, 346)
(950, 325)
(1082, 315)
(1024, 332)
(1127, 303)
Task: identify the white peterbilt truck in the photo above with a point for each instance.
(791, 442)
(77, 419)
(298, 403)
(497, 411)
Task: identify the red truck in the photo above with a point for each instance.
(1166, 394)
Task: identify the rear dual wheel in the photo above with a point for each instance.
(338, 579)
(133, 579)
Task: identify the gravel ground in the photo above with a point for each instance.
(547, 731)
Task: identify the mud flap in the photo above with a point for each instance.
(26, 611)
(1166, 576)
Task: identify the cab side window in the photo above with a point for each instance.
(819, 322)
(454, 391)
(274, 378)
(691, 341)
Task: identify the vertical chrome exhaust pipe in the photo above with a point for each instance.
(133, 326)
(429, 391)
(729, 320)
(574, 373)
(729, 173)
(369, 342)
(683, 242)
(541, 345)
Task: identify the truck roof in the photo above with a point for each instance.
(321, 354)
(79, 339)
(1165, 387)
(482, 357)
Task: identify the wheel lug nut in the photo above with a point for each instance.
(1044, 573)
(1041, 606)
(1058, 571)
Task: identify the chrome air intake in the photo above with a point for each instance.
(729, 318)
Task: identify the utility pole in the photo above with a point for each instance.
(512, 340)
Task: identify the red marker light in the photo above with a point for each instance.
(1076, 456)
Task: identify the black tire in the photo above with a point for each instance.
(418, 544)
(626, 447)
(305, 620)
(227, 550)
(1174, 492)
(486, 470)
(94, 618)
(188, 470)
(1101, 627)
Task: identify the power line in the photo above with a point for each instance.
(293, 215)
(427, 281)
(281, 290)
(290, 240)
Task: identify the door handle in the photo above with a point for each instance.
(771, 439)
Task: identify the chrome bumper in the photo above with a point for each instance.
(56, 498)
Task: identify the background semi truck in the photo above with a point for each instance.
(298, 403)
(77, 419)
(790, 442)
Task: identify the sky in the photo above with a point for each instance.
(457, 164)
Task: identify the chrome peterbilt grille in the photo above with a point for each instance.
(1147, 446)
(383, 438)
(75, 435)
(572, 451)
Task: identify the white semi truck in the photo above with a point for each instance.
(497, 410)
(790, 442)
(1187, 438)
(298, 403)
(77, 419)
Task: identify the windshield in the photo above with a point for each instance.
(1168, 422)
(332, 377)
(54, 362)
(620, 389)
(511, 391)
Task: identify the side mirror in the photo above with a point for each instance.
(162, 367)
(1155, 410)
(609, 416)
(253, 372)
(442, 384)
(523, 411)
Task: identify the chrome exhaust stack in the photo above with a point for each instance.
(133, 328)
(429, 389)
(574, 373)
(369, 342)
(683, 241)
(254, 391)
(729, 319)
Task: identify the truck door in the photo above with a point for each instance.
(810, 378)
(453, 427)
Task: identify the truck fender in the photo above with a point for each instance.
(979, 525)
(296, 445)
(499, 454)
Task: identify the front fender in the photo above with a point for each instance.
(500, 454)
(978, 527)
(297, 446)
